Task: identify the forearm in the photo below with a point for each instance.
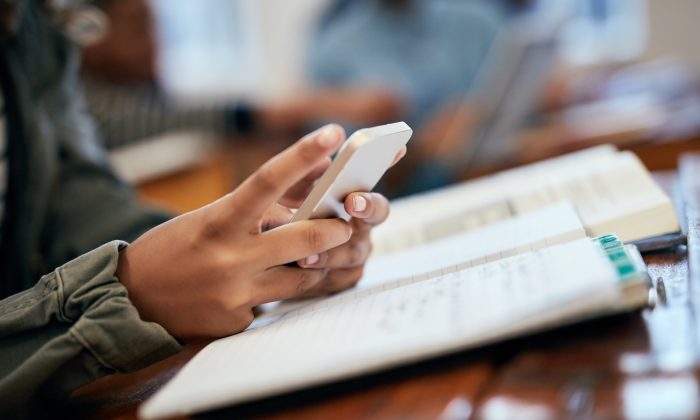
(128, 114)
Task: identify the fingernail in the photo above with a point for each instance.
(359, 203)
(328, 136)
(312, 259)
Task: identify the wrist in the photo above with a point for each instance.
(124, 276)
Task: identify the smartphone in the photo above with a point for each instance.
(358, 166)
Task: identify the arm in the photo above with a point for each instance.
(197, 275)
(215, 264)
(127, 114)
(74, 326)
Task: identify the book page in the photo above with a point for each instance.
(473, 203)
(606, 192)
(392, 327)
(524, 233)
(620, 197)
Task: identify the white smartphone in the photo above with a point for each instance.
(358, 166)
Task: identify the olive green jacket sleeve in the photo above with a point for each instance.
(75, 325)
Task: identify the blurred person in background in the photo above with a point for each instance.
(123, 95)
(428, 53)
(433, 57)
(370, 62)
(78, 301)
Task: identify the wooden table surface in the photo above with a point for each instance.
(642, 364)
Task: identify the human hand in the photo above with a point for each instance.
(357, 105)
(345, 263)
(201, 273)
(294, 197)
(444, 135)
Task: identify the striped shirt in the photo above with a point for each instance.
(127, 114)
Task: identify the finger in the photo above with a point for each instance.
(267, 185)
(299, 191)
(314, 260)
(371, 208)
(280, 283)
(275, 216)
(350, 254)
(398, 156)
(298, 240)
(335, 281)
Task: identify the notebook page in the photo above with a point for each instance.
(477, 202)
(406, 208)
(620, 197)
(385, 329)
(604, 195)
(528, 232)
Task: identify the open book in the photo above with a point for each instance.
(407, 322)
(478, 283)
(611, 191)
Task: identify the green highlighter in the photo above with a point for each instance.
(634, 279)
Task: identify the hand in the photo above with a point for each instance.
(358, 105)
(346, 263)
(444, 135)
(295, 196)
(201, 274)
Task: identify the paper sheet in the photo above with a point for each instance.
(606, 192)
(388, 328)
(528, 232)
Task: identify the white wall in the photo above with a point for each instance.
(223, 49)
(674, 30)
(287, 26)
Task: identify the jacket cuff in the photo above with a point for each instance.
(104, 320)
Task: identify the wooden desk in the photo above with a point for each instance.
(641, 364)
(211, 178)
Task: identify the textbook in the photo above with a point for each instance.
(611, 191)
(528, 232)
(534, 271)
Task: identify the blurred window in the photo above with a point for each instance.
(208, 49)
(601, 30)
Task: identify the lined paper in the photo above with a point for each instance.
(610, 192)
(528, 232)
(391, 327)
(474, 197)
